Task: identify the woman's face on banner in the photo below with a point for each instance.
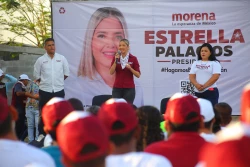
(106, 40)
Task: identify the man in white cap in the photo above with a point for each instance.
(19, 96)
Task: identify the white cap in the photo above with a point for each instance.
(23, 77)
(207, 110)
(1, 72)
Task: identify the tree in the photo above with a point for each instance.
(29, 19)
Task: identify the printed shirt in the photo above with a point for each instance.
(204, 71)
(51, 72)
(33, 88)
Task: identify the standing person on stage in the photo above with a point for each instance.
(51, 69)
(126, 67)
(204, 73)
(106, 27)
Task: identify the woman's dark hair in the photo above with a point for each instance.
(212, 56)
(149, 120)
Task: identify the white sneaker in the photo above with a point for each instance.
(40, 137)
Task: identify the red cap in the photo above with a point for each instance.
(245, 104)
(180, 106)
(55, 110)
(4, 109)
(79, 129)
(230, 154)
(115, 110)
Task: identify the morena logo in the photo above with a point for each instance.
(193, 16)
(62, 10)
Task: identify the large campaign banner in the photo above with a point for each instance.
(164, 36)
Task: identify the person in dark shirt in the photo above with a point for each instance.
(19, 96)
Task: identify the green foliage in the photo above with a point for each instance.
(29, 19)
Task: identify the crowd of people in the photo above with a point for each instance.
(193, 131)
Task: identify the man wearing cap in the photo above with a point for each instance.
(52, 113)
(207, 113)
(121, 121)
(183, 121)
(6, 83)
(19, 96)
(232, 146)
(83, 140)
(12, 152)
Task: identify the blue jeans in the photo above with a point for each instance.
(32, 120)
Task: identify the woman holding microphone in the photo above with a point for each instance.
(126, 67)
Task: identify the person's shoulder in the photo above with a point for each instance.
(59, 55)
(36, 151)
(197, 61)
(41, 58)
(216, 61)
(131, 56)
(51, 149)
(156, 146)
(17, 84)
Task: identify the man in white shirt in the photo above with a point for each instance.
(14, 153)
(51, 70)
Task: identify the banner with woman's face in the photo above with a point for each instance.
(164, 36)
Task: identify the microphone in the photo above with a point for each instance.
(116, 59)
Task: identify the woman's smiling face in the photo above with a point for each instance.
(105, 42)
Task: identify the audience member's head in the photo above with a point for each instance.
(83, 140)
(232, 142)
(207, 112)
(245, 105)
(182, 114)
(149, 121)
(76, 104)
(93, 109)
(24, 79)
(8, 116)
(120, 119)
(225, 113)
(53, 112)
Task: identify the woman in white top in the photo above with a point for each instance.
(204, 73)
